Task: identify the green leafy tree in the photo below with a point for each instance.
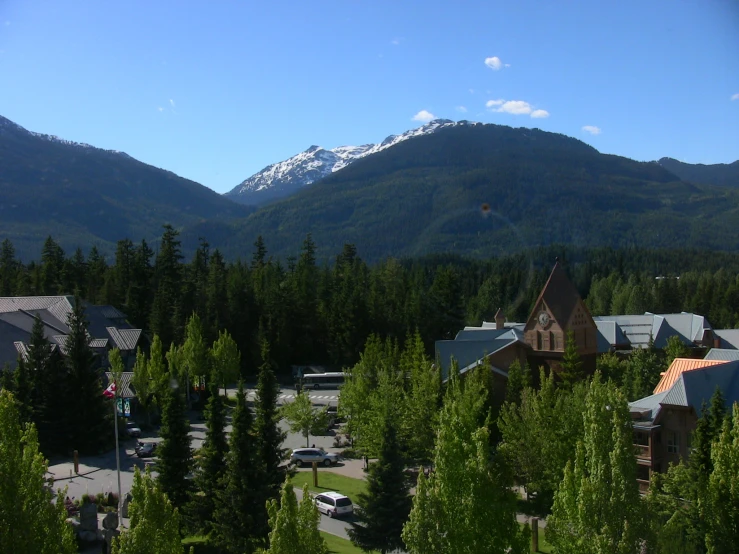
(7, 381)
(154, 525)
(386, 504)
(674, 349)
(611, 367)
(211, 465)
(540, 434)
(91, 425)
(294, 528)
(597, 507)
(519, 378)
(174, 452)
(723, 489)
(143, 383)
(465, 505)
(195, 354)
(420, 407)
(29, 519)
(235, 505)
(644, 368)
(572, 367)
(157, 370)
(303, 418)
(226, 359)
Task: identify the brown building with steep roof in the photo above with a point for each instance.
(558, 310)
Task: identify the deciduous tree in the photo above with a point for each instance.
(29, 519)
(226, 360)
(597, 508)
(154, 522)
(303, 418)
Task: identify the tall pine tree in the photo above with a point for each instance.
(269, 438)
(235, 505)
(174, 452)
(91, 426)
(386, 504)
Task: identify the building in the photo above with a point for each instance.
(628, 332)
(107, 327)
(664, 422)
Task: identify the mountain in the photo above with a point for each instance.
(282, 179)
(723, 175)
(484, 190)
(84, 196)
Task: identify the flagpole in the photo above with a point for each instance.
(117, 455)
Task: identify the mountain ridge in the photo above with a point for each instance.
(281, 179)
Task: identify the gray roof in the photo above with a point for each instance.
(635, 330)
(468, 353)
(17, 316)
(728, 338)
(693, 388)
(725, 354)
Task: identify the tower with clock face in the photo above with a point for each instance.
(558, 310)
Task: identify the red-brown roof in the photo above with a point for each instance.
(678, 367)
(560, 295)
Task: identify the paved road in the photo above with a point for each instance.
(336, 527)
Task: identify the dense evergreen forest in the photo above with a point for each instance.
(315, 313)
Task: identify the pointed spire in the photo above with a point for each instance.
(499, 319)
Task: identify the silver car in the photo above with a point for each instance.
(307, 456)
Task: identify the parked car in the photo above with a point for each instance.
(302, 456)
(132, 430)
(334, 504)
(146, 449)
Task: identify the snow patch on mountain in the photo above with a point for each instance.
(9, 126)
(284, 178)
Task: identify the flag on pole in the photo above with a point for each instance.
(110, 391)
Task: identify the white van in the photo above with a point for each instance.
(334, 504)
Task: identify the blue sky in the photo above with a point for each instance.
(215, 91)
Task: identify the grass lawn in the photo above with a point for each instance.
(328, 481)
(337, 545)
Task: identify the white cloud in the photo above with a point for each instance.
(493, 103)
(7, 23)
(515, 107)
(171, 103)
(395, 41)
(507, 65)
(592, 129)
(472, 91)
(735, 97)
(160, 109)
(461, 109)
(494, 63)
(424, 116)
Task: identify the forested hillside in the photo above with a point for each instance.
(87, 196)
(484, 190)
(723, 175)
(311, 312)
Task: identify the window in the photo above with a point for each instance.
(673, 442)
(642, 472)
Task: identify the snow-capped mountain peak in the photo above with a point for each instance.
(282, 179)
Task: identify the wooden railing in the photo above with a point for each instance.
(643, 451)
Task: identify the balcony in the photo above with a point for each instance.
(643, 451)
(643, 486)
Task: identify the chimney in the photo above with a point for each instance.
(499, 319)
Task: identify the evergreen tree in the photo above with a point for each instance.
(465, 505)
(597, 507)
(174, 452)
(91, 424)
(211, 464)
(23, 391)
(167, 282)
(235, 505)
(268, 436)
(572, 368)
(386, 504)
(8, 268)
(7, 381)
(154, 524)
(30, 522)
